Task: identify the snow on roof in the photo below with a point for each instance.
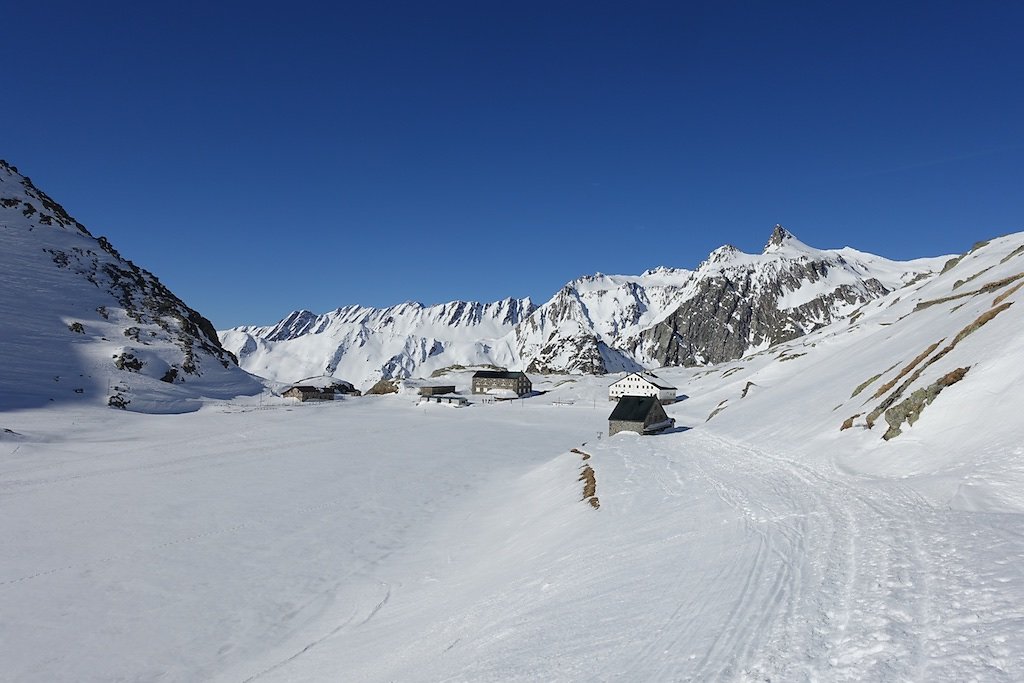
(649, 377)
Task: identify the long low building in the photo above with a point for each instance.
(437, 389)
(643, 384)
(309, 393)
(488, 380)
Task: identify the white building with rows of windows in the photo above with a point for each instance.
(642, 384)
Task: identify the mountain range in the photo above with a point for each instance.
(87, 324)
(733, 304)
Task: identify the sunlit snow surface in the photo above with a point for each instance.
(376, 539)
(379, 539)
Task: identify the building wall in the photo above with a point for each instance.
(636, 386)
(656, 415)
(616, 426)
(430, 391)
(631, 386)
(520, 385)
(315, 396)
(454, 400)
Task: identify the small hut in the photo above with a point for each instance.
(640, 414)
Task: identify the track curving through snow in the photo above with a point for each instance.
(845, 578)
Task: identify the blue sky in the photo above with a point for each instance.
(261, 158)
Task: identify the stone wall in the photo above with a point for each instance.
(616, 426)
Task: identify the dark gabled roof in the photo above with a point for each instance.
(303, 388)
(633, 408)
(497, 374)
(656, 381)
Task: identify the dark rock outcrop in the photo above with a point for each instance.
(740, 304)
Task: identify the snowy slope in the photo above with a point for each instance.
(83, 324)
(362, 344)
(734, 303)
(380, 539)
(585, 326)
(929, 372)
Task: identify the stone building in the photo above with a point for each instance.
(309, 393)
(487, 380)
(642, 384)
(437, 389)
(450, 399)
(640, 414)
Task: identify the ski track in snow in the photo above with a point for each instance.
(711, 558)
(851, 579)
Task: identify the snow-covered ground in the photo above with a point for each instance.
(378, 539)
(845, 506)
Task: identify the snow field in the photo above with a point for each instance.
(375, 539)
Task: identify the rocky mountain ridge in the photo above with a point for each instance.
(94, 324)
(731, 305)
(740, 303)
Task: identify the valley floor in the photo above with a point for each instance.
(377, 540)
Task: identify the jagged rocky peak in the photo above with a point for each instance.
(723, 254)
(778, 237)
(733, 303)
(783, 242)
(740, 302)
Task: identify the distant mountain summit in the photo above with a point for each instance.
(738, 303)
(732, 305)
(778, 238)
(82, 323)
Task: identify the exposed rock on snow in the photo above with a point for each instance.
(909, 410)
(383, 386)
(742, 302)
(72, 301)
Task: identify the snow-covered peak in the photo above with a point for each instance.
(364, 344)
(739, 302)
(724, 254)
(36, 207)
(594, 323)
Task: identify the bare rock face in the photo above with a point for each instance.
(742, 303)
(383, 386)
(576, 354)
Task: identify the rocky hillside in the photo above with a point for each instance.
(878, 374)
(738, 302)
(586, 326)
(82, 323)
(732, 305)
